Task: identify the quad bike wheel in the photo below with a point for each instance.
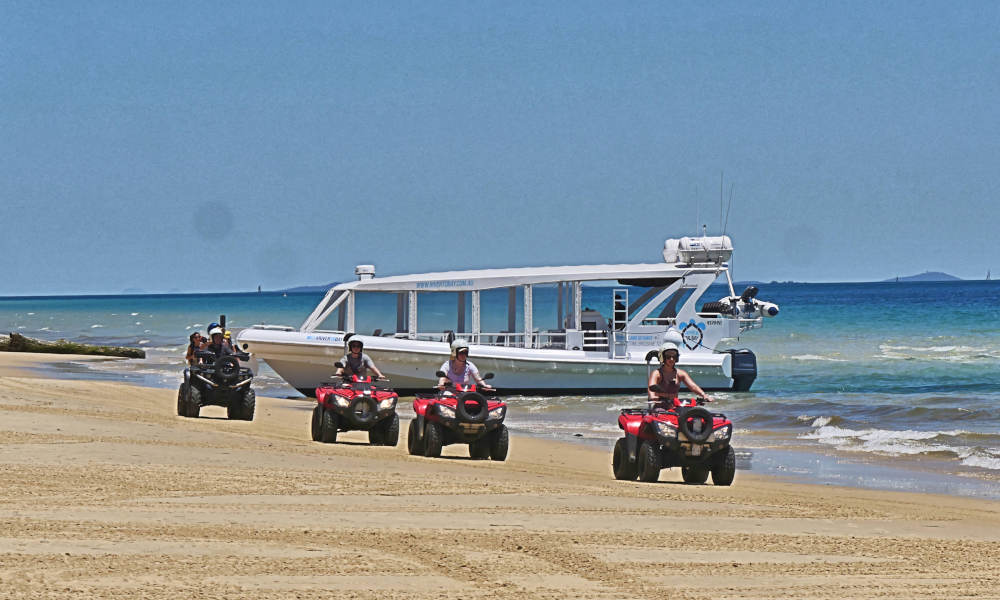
(182, 400)
(482, 408)
(390, 432)
(227, 368)
(694, 415)
(362, 411)
(193, 402)
(694, 474)
(328, 427)
(248, 404)
(499, 443)
(433, 439)
(480, 449)
(622, 466)
(413, 442)
(724, 468)
(649, 462)
(316, 427)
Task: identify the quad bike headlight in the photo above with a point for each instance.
(666, 429)
(497, 413)
(341, 401)
(446, 411)
(722, 433)
(387, 404)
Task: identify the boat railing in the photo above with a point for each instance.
(748, 324)
(501, 338)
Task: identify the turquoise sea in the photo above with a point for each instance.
(888, 385)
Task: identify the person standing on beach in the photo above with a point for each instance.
(356, 362)
(670, 378)
(459, 369)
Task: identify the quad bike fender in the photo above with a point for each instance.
(631, 427)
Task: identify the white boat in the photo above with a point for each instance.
(567, 348)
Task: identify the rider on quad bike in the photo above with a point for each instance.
(458, 413)
(672, 432)
(217, 379)
(356, 403)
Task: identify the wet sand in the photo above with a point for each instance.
(108, 494)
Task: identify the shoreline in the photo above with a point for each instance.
(788, 460)
(109, 494)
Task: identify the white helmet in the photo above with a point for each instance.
(458, 345)
(671, 341)
(350, 339)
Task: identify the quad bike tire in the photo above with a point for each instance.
(649, 462)
(316, 426)
(390, 431)
(375, 436)
(724, 468)
(248, 404)
(328, 427)
(499, 443)
(480, 449)
(624, 468)
(193, 402)
(696, 413)
(227, 368)
(433, 440)
(182, 400)
(413, 443)
(362, 422)
(694, 474)
(463, 413)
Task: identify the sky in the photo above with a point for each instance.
(193, 146)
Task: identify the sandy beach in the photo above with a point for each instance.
(108, 494)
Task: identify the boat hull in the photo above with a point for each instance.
(305, 360)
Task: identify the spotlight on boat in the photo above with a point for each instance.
(364, 272)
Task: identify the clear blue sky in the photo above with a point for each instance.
(195, 146)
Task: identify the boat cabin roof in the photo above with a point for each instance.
(645, 275)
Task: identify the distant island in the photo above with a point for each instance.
(926, 276)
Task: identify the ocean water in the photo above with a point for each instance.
(893, 385)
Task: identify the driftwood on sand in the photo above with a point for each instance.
(16, 342)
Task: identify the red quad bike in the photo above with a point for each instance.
(459, 415)
(354, 404)
(686, 436)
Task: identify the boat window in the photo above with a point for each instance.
(551, 311)
(444, 314)
(372, 311)
(496, 315)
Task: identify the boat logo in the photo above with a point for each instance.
(693, 333)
